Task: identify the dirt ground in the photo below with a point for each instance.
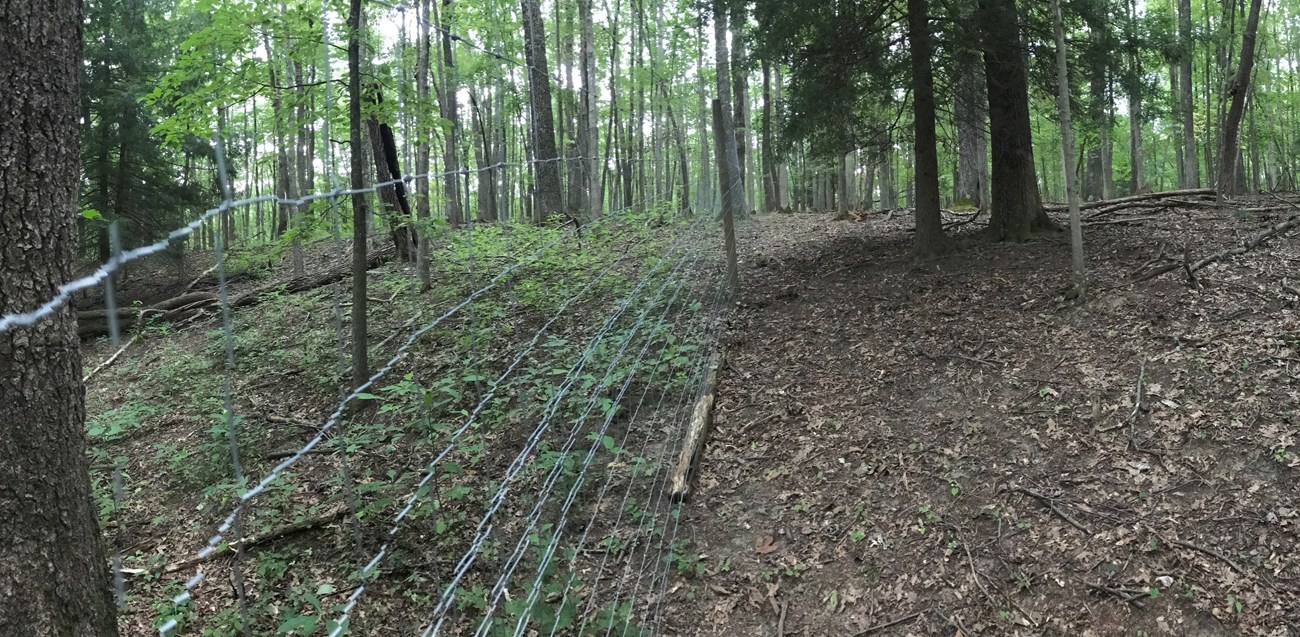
(951, 447)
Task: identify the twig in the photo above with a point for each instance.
(274, 534)
(780, 622)
(104, 365)
(1126, 596)
(975, 574)
(1210, 552)
(1051, 504)
(885, 625)
(1125, 220)
(1137, 406)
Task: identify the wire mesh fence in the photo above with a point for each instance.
(503, 470)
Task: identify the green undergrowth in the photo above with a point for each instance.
(157, 420)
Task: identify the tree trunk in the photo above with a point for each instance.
(545, 156)
(360, 213)
(771, 179)
(424, 130)
(929, 239)
(53, 574)
(590, 111)
(1229, 150)
(704, 191)
(1067, 149)
(970, 109)
(450, 109)
(1191, 169)
(733, 194)
(1016, 208)
(740, 120)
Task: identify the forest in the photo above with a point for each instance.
(700, 317)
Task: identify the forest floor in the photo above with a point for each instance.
(952, 448)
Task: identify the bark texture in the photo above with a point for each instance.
(545, 154)
(1229, 150)
(1016, 207)
(53, 575)
(930, 239)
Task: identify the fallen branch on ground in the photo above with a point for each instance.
(1246, 246)
(274, 534)
(1133, 199)
(1051, 504)
(900, 620)
(1124, 595)
(1211, 552)
(111, 359)
(93, 323)
(698, 430)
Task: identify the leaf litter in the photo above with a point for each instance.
(950, 447)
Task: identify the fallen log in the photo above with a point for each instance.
(1133, 199)
(697, 431)
(92, 323)
(1246, 246)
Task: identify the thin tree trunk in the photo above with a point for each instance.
(1191, 170)
(360, 213)
(1067, 149)
(725, 138)
(590, 111)
(424, 130)
(1229, 150)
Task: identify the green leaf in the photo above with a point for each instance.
(91, 213)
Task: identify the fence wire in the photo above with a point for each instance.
(675, 278)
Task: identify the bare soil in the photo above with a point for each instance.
(951, 447)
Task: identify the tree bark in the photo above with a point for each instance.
(547, 166)
(1067, 149)
(54, 578)
(733, 195)
(590, 111)
(1229, 150)
(970, 108)
(360, 213)
(929, 239)
(1016, 208)
(1191, 168)
(423, 133)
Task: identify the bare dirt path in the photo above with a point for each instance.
(951, 448)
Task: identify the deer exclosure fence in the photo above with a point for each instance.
(582, 504)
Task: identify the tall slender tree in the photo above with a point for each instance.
(1229, 147)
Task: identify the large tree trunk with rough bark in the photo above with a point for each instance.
(1229, 150)
(1016, 207)
(547, 167)
(930, 239)
(54, 578)
(970, 109)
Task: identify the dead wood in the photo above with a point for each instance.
(1211, 552)
(1124, 595)
(93, 323)
(1246, 246)
(1124, 220)
(698, 430)
(111, 359)
(1051, 504)
(878, 627)
(1134, 199)
(255, 540)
